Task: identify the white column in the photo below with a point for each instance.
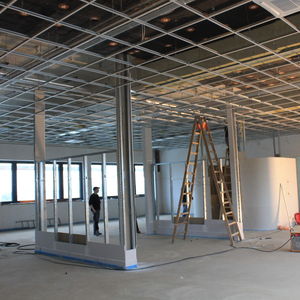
(148, 160)
(234, 167)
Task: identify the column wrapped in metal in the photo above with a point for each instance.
(125, 158)
(39, 158)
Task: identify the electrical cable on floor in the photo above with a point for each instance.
(22, 249)
(262, 250)
(7, 244)
(137, 269)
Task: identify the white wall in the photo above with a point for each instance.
(289, 147)
(10, 213)
(269, 192)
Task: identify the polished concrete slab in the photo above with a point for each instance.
(236, 274)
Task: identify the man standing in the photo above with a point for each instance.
(95, 203)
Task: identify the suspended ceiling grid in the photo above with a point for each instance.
(183, 57)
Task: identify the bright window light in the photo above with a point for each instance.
(75, 180)
(25, 182)
(6, 182)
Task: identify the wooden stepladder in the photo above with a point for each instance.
(187, 188)
(201, 132)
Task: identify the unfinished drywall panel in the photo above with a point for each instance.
(269, 192)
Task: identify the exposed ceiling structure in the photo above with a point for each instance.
(184, 58)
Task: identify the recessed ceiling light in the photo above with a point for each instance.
(165, 20)
(253, 6)
(191, 29)
(113, 44)
(131, 52)
(292, 77)
(281, 72)
(94, 18)
(168, 45)
(23, 13)
(58, 25)
(64, 6)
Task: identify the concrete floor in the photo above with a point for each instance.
(238, 274)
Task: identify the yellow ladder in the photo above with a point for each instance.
(201, 130)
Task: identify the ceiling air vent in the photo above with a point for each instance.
(280, 8)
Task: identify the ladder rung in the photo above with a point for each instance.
(229, 213)
(234, 234)
(232, 223)
(194, 153)
(190, 163)
(179, 223)
(195, 143)
(184, 213)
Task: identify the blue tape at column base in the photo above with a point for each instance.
(87, 261)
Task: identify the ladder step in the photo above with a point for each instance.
(229, 213)
(232, 223)
(195, 143)
(234, 234)
(194, 153)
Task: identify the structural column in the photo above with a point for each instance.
(39, 158)
(125, 158)
(234, 166)
(148, 160)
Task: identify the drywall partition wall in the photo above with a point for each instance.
(269, 191)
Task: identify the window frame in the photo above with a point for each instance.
(115, 164)
(60, 198)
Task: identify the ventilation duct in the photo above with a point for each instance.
(280, 8)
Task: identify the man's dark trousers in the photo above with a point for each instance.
(96, 217)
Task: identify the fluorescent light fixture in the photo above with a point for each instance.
(74, 141)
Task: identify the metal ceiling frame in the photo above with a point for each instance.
(162, 107)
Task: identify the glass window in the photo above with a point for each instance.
(112, 179)
(25, 182)
(6, 182)
(75, 180)
(96, 171)
(139, 180)
(49, 181)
